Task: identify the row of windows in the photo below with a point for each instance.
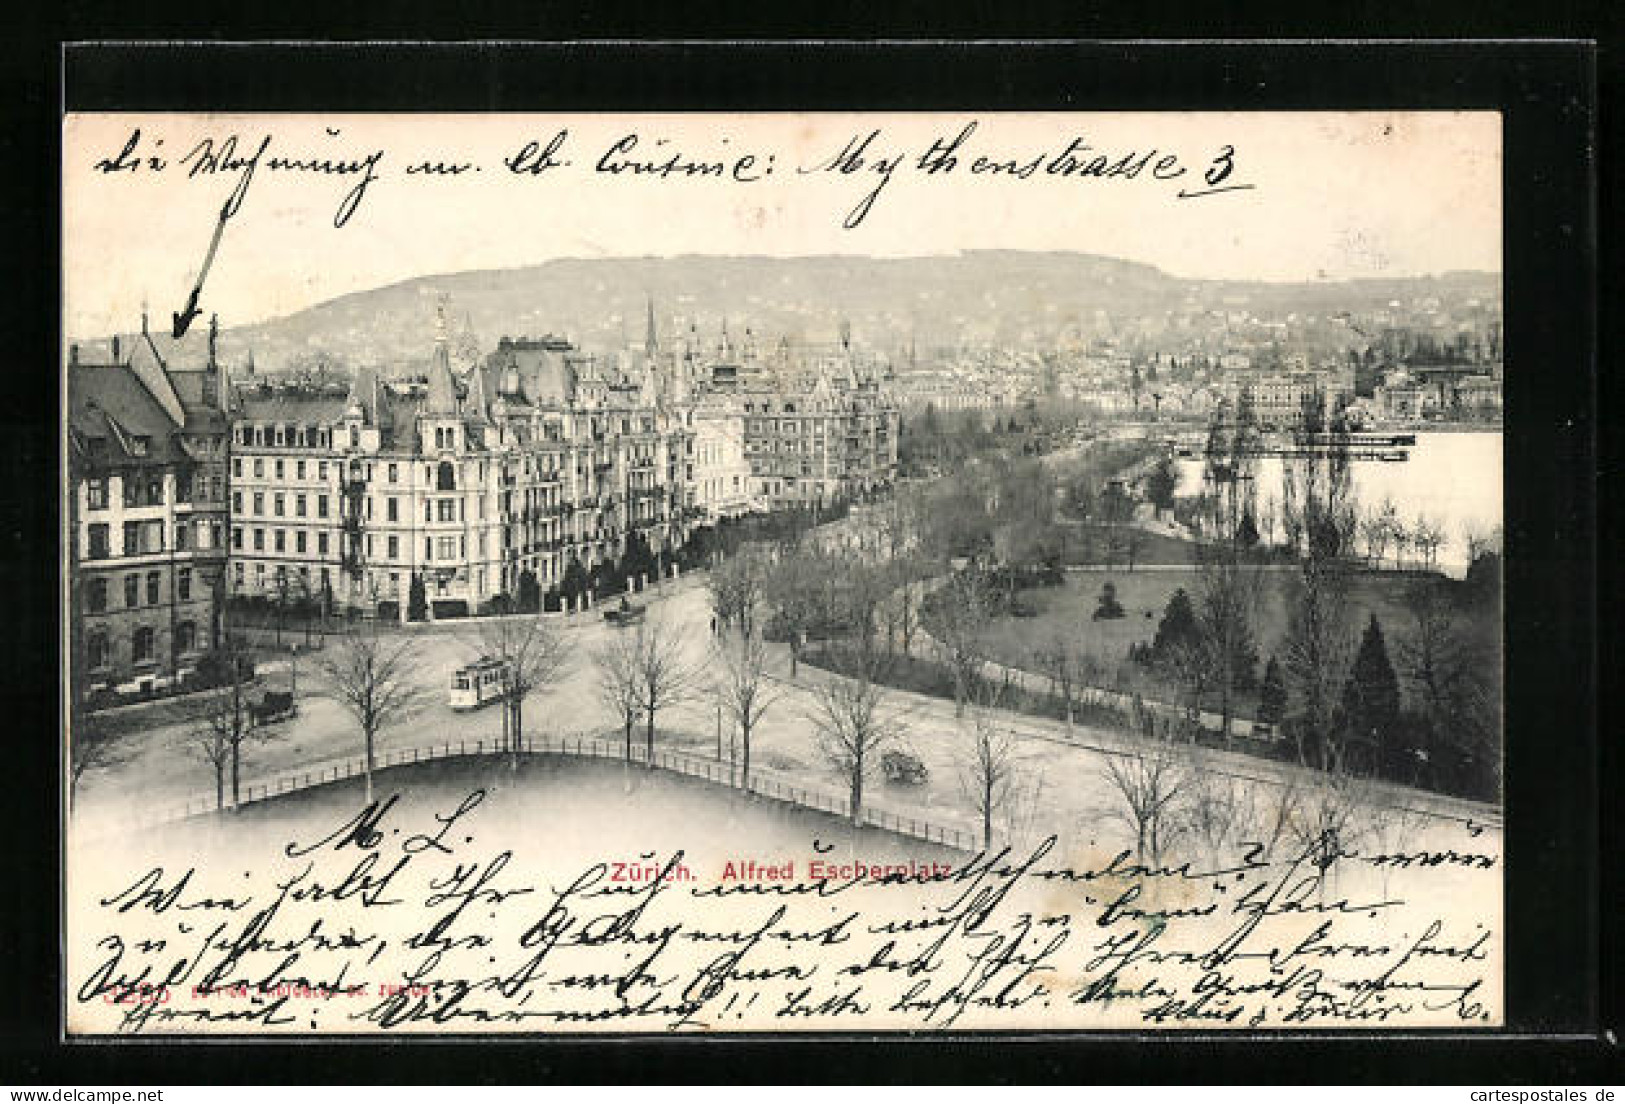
(284, 437)
(302, 469)
(142, 491)
(143, 644)
(444, 548)
(97, 590)
(141, 538)
(443, 476)
(279, 504)
(279, 539)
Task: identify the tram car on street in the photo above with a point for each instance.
(479, 683)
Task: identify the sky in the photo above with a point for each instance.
(1328, 196)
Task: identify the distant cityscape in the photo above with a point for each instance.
(531, 470)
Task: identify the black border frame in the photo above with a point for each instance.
(1547, 93)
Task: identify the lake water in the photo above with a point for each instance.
(1451, 478)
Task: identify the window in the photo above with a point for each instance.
(238, 569)
(448, 477)
(152, 588)
(96, 649)
(321, 469)
(392, 507)
(96, 595)
(299, 470)
(259, 540)
(96, 494)
(132, 538)
(448, 509)
(183, 584)
(299, 505)
(185, 637)
(446, 548)
(428, 548)
(321, 548)
(355, 437)
(428, 510)
(394, 548)
(259, 468)
(182, 538)
(141, 645)
(237, 537)
(321, 505)
(279, 463)
(278, 505)
(132, 492)
(259, 504)
(281, 540)
(392, 473)
(237, 467)
(236, 502)
(98, 542)
(299, 541)
(183, 488)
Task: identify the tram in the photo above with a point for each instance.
(477, 684)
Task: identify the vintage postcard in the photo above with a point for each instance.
(782, 572)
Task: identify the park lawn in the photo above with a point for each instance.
(1144, 595)
(1088, 544)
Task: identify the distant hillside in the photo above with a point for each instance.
(600, 303)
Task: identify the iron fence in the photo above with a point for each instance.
(763, 783)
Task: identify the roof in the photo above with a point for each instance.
(111, 412)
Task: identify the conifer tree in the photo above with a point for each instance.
(1370, 705)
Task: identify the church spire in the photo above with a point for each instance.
(442, 388)
(651, 337)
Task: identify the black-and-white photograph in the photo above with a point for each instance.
(782, 572)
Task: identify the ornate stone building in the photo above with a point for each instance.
(146, 511)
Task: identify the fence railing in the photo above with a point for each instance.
(763, 783)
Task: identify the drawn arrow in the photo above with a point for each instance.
(183, 321)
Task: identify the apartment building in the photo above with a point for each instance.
(146, 511)
(514, 468)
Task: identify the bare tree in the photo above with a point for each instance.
(1428, 536)
(739, 588)
(1225, 611)
(89, 749)
(370, 674)
(745, 692)
(665, 677)
(987, 771)
(1316, 659)
(959, 625)
(225, 721)
(1329, 821)
(1146, 781)
(1215, 807)
(534, 657)
(856, 722)
(1063, 662)
(619, 683)
(798, 593)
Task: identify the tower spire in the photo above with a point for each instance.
(651, 339)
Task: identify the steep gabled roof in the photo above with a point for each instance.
(116, 418)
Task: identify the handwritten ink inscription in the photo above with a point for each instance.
(870, 158)
(381, 923)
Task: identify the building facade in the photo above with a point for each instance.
(146, 513)
(482, 484)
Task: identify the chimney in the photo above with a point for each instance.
(115, 349)
(214, 335)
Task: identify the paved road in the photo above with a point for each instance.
(1061, 782)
